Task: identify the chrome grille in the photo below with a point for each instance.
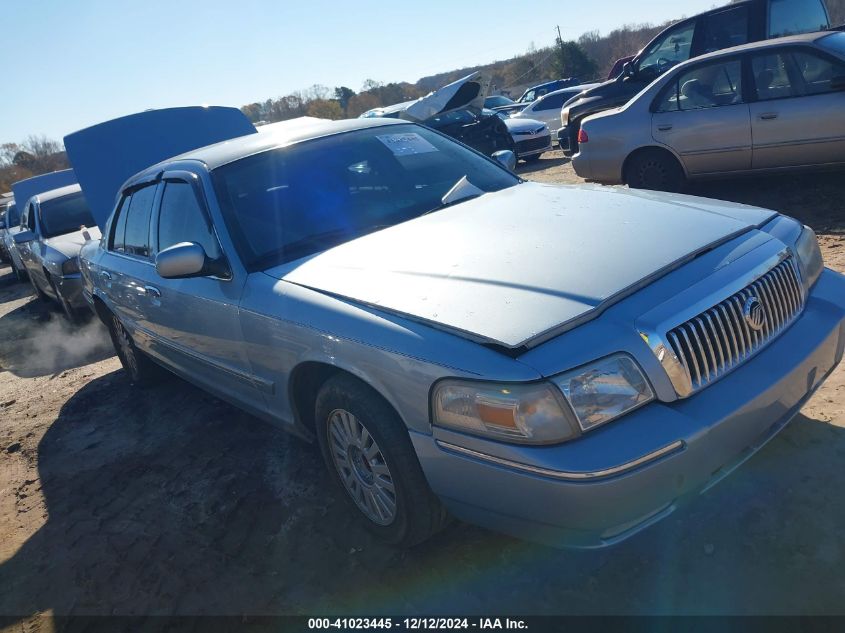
(714, 342)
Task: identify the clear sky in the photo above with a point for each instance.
(69, 64)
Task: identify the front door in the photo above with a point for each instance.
(195, 322)
(702, 116)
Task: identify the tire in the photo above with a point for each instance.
(370, 458)
(139, 368)
(67, 309)
(654, 169)
(532, 159)
(20, 275)
(40, 293)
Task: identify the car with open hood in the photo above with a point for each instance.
(54, 226)
(737, 23)
(457, 110)
(767, 106)
(567, 364)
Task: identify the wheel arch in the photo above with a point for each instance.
(305, 382)
(646, 148)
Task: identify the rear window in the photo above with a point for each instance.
(788, 17)
(65, 215)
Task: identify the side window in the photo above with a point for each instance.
(789, 17)
(673, 47)
(137, 237)
(554, 102)
(182, 219)
(725, 29)
(709, 86)
(816, 71)
(119, 226)
(771, 77)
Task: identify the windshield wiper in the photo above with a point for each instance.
(460, 191)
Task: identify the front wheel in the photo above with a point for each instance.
(369, 455)
(532, 159)
(655, 169)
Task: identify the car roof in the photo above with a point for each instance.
(282, 133)
(57, 193)
(803, 38)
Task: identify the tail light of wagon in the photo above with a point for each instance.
(582, 136)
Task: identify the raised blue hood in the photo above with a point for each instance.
(105, 155)
(25, 189)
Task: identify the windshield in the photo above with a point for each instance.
(287, 203)
(668, 49)
(65, 214)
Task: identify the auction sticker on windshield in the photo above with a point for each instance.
(406, 144)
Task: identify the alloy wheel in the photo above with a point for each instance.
(362, 467)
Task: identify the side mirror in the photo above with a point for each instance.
(838, 83)
(24, 236)
(506, 159)
(627, 69)
(186, 259)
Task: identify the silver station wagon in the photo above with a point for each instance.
(566, 364)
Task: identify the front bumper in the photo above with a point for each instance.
(622, 482)
(532, 146)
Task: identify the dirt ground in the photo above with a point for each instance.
(168, 501)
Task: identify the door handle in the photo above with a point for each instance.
(105, 275)
(153, 291)
(664, 128)
(768, 116)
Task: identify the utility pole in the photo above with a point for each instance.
(560, 48)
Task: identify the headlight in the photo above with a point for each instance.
(809, 257)
(604, 390)
(70, 266)
(522, 413)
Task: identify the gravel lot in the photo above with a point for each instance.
(168, 501)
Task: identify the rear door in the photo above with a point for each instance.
(702, 115)
(194, 322)
(797, 118)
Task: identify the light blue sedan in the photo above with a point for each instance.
(566, 364)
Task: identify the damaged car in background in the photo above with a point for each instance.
(464, 343)
(457, 110)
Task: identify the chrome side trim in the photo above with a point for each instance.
(262, 384)
(564, 475)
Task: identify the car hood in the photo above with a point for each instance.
(525, 126)
(70, 243)
(470, 91)
(515, 267)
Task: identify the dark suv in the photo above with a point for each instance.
(737, 23)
